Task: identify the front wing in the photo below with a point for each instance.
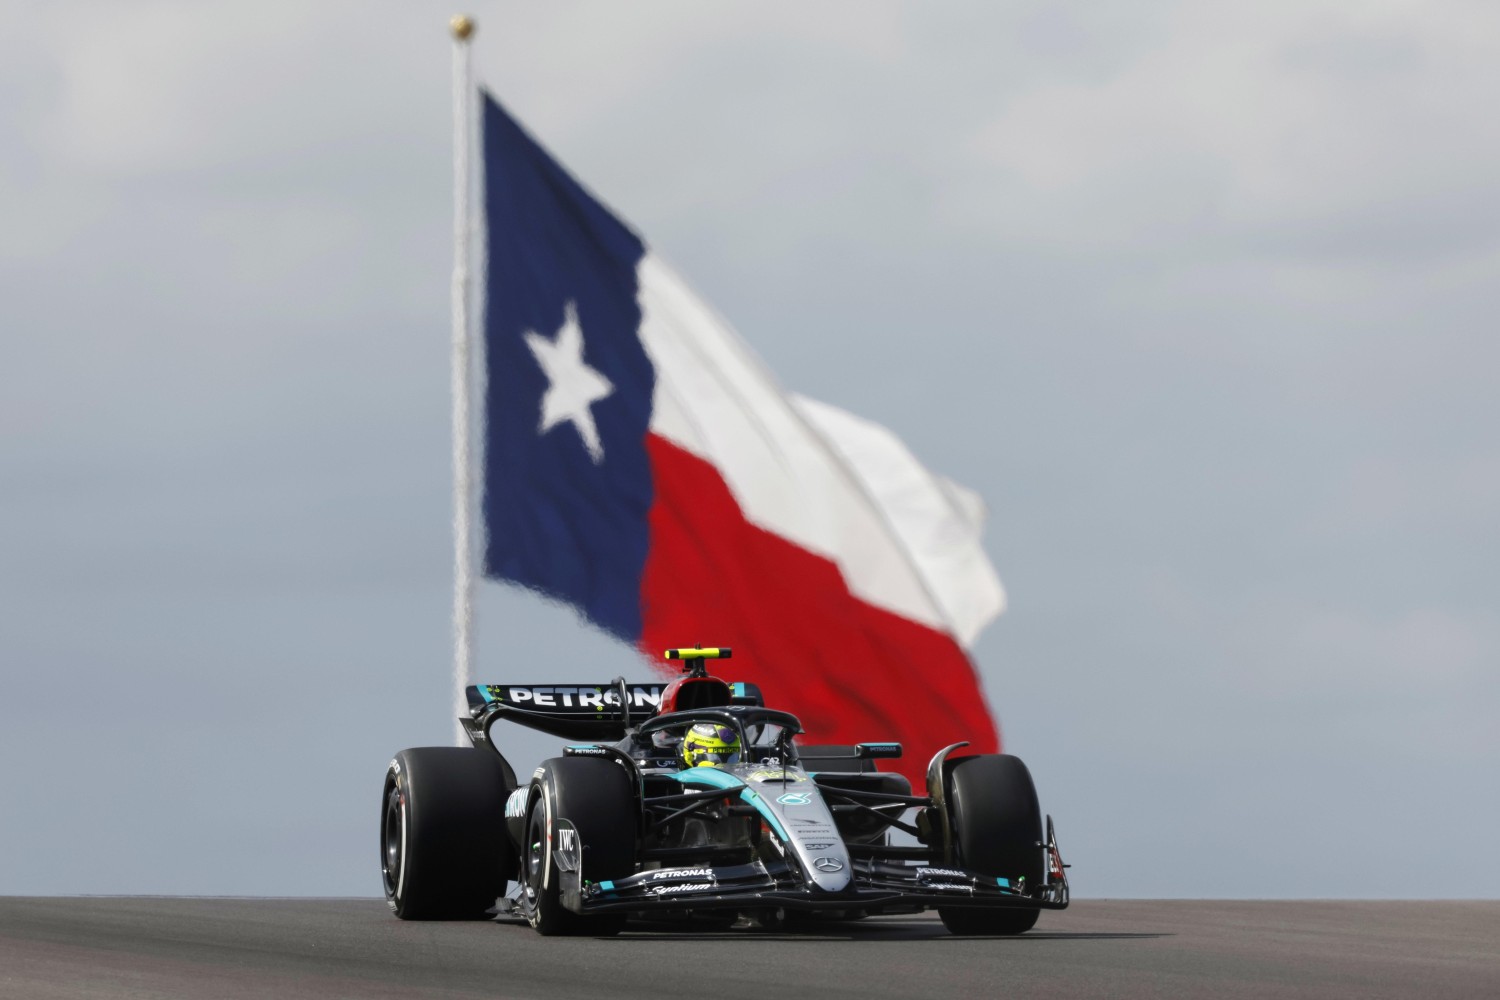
(877, 886)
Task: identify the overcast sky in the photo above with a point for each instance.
(1199, 296)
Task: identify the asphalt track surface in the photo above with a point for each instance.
(293, 949)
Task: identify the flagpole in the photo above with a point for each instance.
(462, 28)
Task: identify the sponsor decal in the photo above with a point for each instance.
(791, 776)
(817, 847)
(940, 873)
(565, 853)
(795, 799)
(663, 890)
(662, 873)
(828, 864)
(586, 751)
(535, 696)
(395, 767)
(949, 887)
(515, 805)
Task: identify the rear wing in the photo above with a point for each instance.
(598, 712)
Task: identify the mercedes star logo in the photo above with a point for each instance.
(828, 864)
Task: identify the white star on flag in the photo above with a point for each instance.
(573, 387)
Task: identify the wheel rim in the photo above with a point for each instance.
(391, 842)
(536, 857)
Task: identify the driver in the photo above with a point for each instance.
(708, 744)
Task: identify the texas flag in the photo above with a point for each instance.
(643, 465)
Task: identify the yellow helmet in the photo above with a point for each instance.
(708, 744)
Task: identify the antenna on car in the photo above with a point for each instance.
(693, 664)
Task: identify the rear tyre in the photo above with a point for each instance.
(443, 850)
(997, 827)
(596, 797)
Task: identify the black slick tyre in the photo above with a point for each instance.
(443, 850)
(997, 827)
(596, 797)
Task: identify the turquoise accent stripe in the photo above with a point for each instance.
(710, 776)
(607, 886)
(1004, 882)
(484, 692)
(715, 778)
(752, 797)
(737, 689)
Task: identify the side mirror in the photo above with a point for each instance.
(877, 751)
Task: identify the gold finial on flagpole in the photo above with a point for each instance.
(462, 26)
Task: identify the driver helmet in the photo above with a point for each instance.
(708, 744)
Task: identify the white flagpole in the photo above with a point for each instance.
(462, 28)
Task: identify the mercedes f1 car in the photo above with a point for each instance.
(769, 831)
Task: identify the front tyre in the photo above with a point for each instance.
(596, 797)
(443, 850)
(997, 830)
